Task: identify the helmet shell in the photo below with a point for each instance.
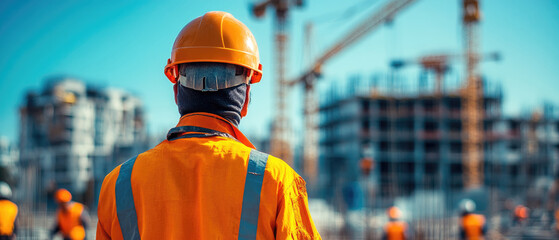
(62, 196)
(467, 205)
(394, 213)
(5, 190)
(215, 37)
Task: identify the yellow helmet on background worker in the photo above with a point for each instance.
(62, 196)
(394, 212)
(215, 37)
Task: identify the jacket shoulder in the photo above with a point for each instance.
(282, 172)
(9, 203)
(110, 179)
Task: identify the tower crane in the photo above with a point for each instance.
(309, 77)
(280, 146)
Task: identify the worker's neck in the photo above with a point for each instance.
(228, 119)
(226, 103)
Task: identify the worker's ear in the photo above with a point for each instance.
(247, 101)
(175, 90)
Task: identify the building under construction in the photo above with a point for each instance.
(72, 135)
(416, 143)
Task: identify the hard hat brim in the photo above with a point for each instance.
(215, 54)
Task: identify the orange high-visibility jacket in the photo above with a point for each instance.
(473, 226)
(205, 181)
(70, 221)
(521, 212)
(8, 214)
(395, 230)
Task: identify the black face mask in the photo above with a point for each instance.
(226, 103)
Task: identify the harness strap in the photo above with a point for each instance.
(197, 132)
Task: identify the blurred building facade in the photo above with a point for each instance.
(72, 135)
(416, 141)
(9, 159)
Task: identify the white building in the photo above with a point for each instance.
(72, 135)
(9, 158)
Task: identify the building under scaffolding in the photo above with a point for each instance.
(415, 140)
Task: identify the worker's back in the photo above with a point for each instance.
(395, 230)
(195, 187)
(473, 226)
(70, 221)
(8, 213)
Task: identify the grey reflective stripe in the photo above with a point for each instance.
(125, 209)
(251, 196)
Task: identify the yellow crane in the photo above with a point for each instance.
(472, 91)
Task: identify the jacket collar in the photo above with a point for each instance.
(214, 122)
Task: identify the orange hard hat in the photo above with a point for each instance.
(62, 196)
(394, 212)
(215, 37)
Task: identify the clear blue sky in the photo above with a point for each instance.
(125, 44)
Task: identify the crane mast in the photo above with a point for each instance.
(280, 146)
(473, 100)
(280, 130)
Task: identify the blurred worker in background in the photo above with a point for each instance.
(472, 226)
(395, 229)
(72, 218)
(8, 213)
(557, 222)
(520, 214)
(206, 180)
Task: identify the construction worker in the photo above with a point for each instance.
(206, 180)
(71, 217)
(520, 214)
(557, 221)
(472, 226)
(8, 213)
(395, 229)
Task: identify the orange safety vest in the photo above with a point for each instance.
(396, 230)
(8, 214)
(205, 181)
(69, 221)
(521, 212)
(472, 224)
